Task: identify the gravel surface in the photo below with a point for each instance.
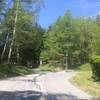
(42, 86)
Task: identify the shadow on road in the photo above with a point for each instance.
(33, 95)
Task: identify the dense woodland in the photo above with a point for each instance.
(68, 41)
(21, 38)
(70, 46)
(72, 40)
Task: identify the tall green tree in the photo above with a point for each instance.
(19, 22)
(72, 40)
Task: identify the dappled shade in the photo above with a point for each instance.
(33, 95)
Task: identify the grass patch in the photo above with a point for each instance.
(48, 67)
(84, 67)
(12, 70)
(84, 80)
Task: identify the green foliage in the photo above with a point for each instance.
(8, 70)
(28, 38)
(49, 68)
(84, 81)
(95, 61)
(71, 40)
(30, 43)
(83, 67)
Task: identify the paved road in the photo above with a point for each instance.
(43, 86)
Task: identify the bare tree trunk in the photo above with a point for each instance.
(4, 49)
(14, 32)
(17, 55)
(66, 59)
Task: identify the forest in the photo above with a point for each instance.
(72, 40)
(58, 61)
(69, 41)
(21, 37)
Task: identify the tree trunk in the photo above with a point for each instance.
(17, 55)
(69, 59)
(66, 59)
(4, 49)
(14, 31)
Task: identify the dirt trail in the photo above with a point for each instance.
(43, 86)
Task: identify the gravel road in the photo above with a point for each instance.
(42, 86)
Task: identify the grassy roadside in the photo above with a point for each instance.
(85, 82)
(7, 71)
(12, 71)
(49, 68)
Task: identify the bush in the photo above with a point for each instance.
(95, 62)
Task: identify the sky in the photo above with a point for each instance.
(52, 9)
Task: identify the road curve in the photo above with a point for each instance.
(42, 86)
(58, 84)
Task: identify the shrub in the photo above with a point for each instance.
(95, 62)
